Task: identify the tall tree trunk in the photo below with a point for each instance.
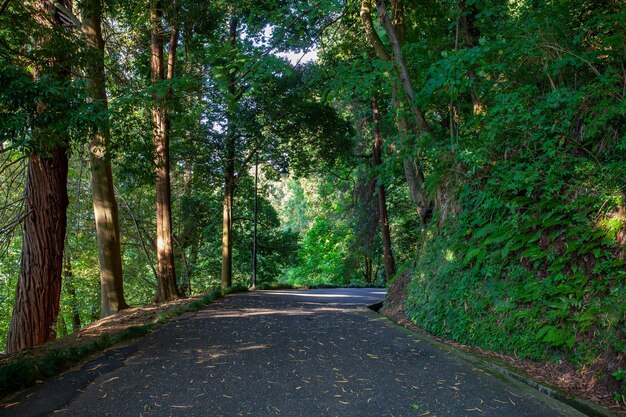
(227, 232)
(412, 170)
(41, 267)
(229, 171)
(166, 273)
(390, 263)
(39, 286)
(189, 234)
(103, 194)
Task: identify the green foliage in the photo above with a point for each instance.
(330, 249)
(531, 262)
(323, 257)
(620, 377)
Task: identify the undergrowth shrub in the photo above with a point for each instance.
(531, 258)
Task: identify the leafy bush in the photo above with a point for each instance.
(529, 260)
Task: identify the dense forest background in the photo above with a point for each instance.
(472, 153)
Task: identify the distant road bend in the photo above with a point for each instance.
(313, 353)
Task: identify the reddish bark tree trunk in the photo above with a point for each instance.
(166, 273)
(41, 267)
(227, 230)
(39, 286)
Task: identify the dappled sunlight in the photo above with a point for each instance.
(211, 354)
(252, 312)
(303, 294)
(218, 352)
(372, 294)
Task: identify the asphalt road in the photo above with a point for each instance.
(310, 353)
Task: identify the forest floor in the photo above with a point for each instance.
(562, 376)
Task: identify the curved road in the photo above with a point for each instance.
(312, 353)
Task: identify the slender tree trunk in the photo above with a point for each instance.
(61, 326)
(402, 94)
(172, 53)
(370, 31)
(229, 172)
(403, 71)
(166, 273)
(413, 175)
(189, 235)
(470, 33)
(41, 267)
(390, 263)
(68, 282)
(227, 233)
(367, 274)
(105, 207)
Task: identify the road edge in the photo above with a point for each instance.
(560, 401)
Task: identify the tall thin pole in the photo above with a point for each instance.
(256, 179)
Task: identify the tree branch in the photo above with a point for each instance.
(139, 233)
(370, 31)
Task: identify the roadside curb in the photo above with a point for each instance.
(493, 367)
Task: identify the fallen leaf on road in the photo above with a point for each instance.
(110, 379)
(474, 409)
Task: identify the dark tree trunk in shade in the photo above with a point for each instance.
(390, 263)
(39, 286)
(229, 171)
(402, 93)
(70, 288)
(45, 202)
(470, 34)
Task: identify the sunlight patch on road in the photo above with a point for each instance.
(251, 312)
(321, 295)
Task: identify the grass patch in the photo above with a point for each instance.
(353, 284)
(276, 286)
